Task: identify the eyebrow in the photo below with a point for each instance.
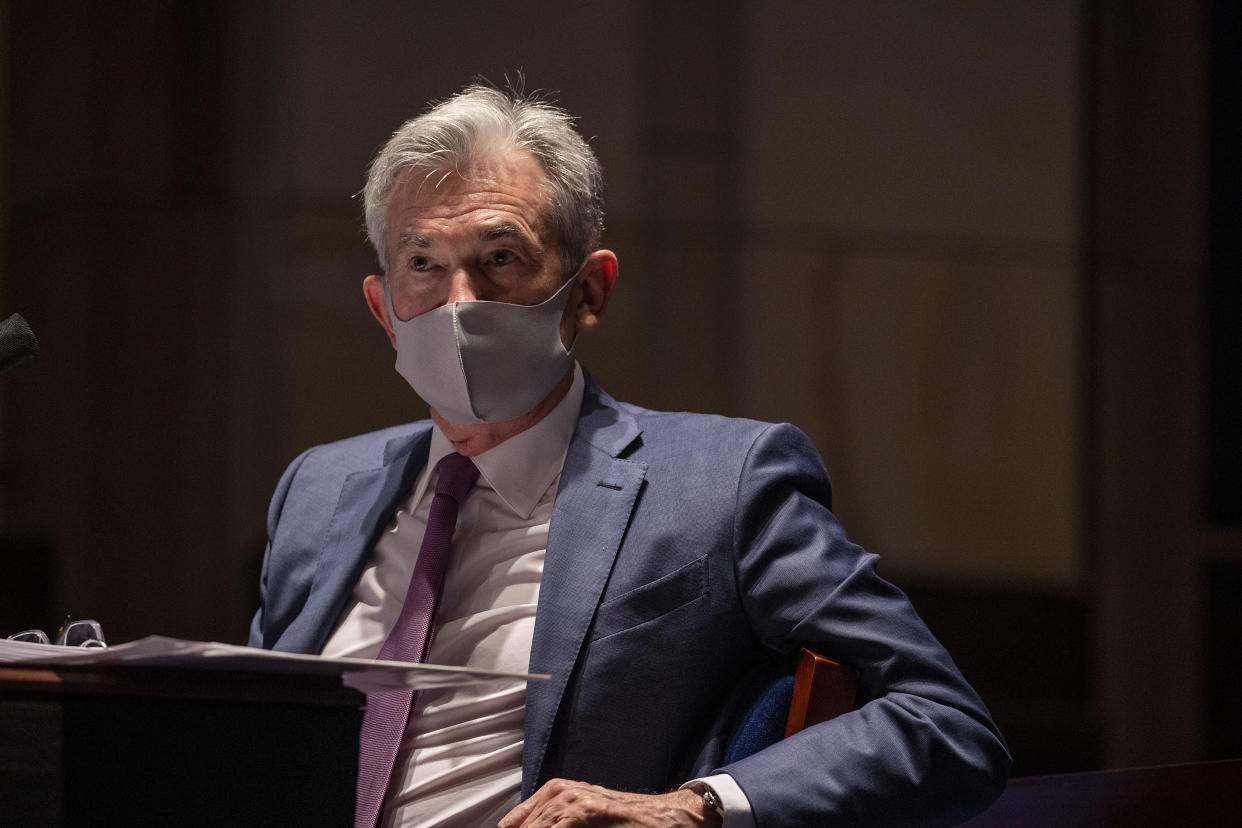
(412, 240)
(509, 231)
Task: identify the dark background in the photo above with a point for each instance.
(986, 255)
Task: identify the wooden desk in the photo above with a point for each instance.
(154, 746)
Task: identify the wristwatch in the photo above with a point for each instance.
(711, 799)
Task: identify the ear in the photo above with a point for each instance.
(373, 288)
(594, 289)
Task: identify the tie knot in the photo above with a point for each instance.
(457, 475)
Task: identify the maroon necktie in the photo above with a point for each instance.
(387, 711)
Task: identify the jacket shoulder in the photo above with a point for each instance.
(362, 451)
(714, 432)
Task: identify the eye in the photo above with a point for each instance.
(501, 257)
(420, 264)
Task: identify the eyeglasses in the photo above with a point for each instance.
(30, 637)
(84, 633)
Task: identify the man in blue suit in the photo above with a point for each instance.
(658, 566)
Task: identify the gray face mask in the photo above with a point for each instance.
(484, 362)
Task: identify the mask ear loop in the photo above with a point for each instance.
(392, 311)
(568, 285)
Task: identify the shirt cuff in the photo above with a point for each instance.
(737, 813)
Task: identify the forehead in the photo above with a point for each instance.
(506, 187)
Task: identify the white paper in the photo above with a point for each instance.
(361, 674)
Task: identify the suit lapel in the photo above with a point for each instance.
(366, 505)
(594, 502)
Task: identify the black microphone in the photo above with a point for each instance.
(17, 342)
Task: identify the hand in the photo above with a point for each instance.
(567, 804)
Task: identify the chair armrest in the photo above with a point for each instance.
(823, 689)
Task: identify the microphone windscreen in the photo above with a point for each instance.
(17, 342)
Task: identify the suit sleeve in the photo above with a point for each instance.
(274, 510)
(921, 749)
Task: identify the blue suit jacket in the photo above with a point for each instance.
(687, 554)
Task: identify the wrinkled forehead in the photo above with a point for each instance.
(506, 175)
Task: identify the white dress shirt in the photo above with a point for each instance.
(460, 760)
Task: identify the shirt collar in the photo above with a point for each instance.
(521, 468)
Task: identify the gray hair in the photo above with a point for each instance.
(457, 132)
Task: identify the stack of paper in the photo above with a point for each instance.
(365, 675)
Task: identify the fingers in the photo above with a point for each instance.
(569, 804)
(537, 804)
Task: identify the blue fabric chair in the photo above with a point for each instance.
(763, 724)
